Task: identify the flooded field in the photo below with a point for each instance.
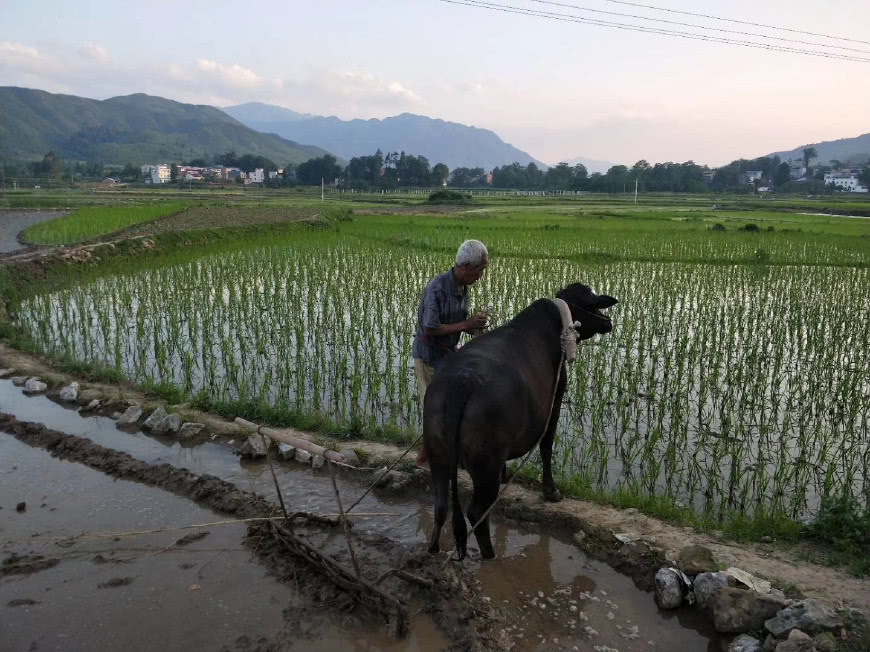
(729, 388)
(216, 593)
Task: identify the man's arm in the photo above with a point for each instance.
(476, 321)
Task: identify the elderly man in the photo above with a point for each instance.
(443, 315)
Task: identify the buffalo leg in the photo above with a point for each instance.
(550, 492)
(440, 489)
(485, 491)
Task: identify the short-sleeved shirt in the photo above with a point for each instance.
(443, 302)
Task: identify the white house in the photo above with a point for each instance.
(160, 173)
(797, 170)
(753, 175)
(257, 176)
(845, 180)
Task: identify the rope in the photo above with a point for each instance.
(381, 475)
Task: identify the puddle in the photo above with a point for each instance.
(120, 594)
(586, 603)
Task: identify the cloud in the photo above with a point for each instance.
(94, 52)
(233, 75)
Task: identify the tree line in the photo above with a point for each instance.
(394, 170)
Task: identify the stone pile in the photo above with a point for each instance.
(763, 619)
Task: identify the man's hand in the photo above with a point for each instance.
(477, 321)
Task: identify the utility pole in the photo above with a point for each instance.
(321, 190)
(635, 190)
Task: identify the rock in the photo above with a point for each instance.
(6, 372)
(668, 588)
(706, 584)
(34, 386)
(255, 446)
(745, 643)
(302, 456)
(131, 415)
(350, 456)
(802, 645)
(807, 615)
(798, 635)
(825, 642)
(286, 452)
(696, 559)
(116, 415)
(190, 430)
(88, 395)
(317, 462)
(386, 478)
(737, 611)
(747, 579)
(21, 507)
(19, 381)
(168, 425)
(769, 644)
(156, 417)
(70, 393)
(90, 407)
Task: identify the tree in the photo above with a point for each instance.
(130, 173)
(313, 170)
(173, 173)
(440, 174)
(782, 175)
(809, 152)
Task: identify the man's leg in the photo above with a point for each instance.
(424, 372)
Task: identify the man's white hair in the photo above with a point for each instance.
(472, 252)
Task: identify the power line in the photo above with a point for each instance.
(696, 26)
(522, 11)
(734, 20)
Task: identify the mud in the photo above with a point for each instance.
(445, 604)
(473, 606)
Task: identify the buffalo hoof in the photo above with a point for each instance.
(434, 548)
(552, 495)
(487, 554)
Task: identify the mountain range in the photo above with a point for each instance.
(846, 150)
(134, 129)
(451, 143)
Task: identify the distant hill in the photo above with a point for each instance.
(129, 129)
(846, 150)
(591, 164)
(451, 143)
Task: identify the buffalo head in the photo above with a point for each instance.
(586, 307)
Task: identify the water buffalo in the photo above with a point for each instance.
(489, 402)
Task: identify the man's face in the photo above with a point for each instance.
(473, 273)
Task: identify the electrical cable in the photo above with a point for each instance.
(696, 26)
(522, 11)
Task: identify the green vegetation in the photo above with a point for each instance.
(732, 394)
(94, 221)
(130, 129)
(448, 197)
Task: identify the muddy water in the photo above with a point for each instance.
(125, 593)
(551, 595)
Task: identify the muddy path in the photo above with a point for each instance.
(543, 592)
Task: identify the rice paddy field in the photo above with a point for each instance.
(736, 378)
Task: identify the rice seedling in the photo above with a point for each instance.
(726, 386)
(93, 221)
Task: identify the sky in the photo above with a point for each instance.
(553, 88)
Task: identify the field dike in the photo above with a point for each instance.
(631, 542)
